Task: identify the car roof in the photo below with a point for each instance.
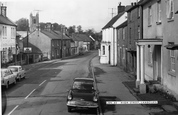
(84, 79)
(15, 66)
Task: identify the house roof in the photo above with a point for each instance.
(23, 34)
(81, 37)
(113, 20)
(130, 8)
(51, 34)
(55, 34)
(60, 35)
(6, 21)
(143, 2)
(122, 25)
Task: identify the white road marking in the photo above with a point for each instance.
(42, 82)
(13, 109)
(29, 94)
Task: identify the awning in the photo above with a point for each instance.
(172, 46)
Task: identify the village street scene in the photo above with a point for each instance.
(126, 66)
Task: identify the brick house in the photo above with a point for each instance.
(122, 35)
(47, 43)
(134, 33)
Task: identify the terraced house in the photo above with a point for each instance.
(157, 51)
(7, 37)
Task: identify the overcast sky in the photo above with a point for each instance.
(87, 13)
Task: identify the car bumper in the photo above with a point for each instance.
(82, 104)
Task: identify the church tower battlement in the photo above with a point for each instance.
(34, 22)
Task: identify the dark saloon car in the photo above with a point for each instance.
(83, 95)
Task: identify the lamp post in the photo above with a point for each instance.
(27, 43)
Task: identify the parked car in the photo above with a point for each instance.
(7, 77)
(18, 70)
(83, 94)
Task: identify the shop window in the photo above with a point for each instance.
(103, 50)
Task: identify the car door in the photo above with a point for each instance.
(11, 76)
(7, 77)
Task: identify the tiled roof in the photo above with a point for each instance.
(50, 34)
(60, 35)
(113, 20)
(55, 34)
(81, 37)
(6, 21)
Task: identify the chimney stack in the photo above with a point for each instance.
(3, 10)
(120, 8)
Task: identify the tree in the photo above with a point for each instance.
(71, 29)
(42, 25)
(79, 29)
(22, 24)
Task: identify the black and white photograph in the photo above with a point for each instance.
(89, 57)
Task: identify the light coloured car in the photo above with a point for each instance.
(18, 70)
(7, 77)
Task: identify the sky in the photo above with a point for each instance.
(90, 14)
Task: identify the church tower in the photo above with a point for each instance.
(34, 22)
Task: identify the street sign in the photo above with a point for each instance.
(27, 49)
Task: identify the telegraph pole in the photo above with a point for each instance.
(27, 43)
(61, 40)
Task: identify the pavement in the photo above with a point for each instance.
(114, 84)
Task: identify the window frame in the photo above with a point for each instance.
(159, 12)
(172, 63)
(170, 10)
(149, 15)
(104, 52)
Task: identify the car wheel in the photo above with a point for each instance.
(69, 109)
(15, 81)
(19, 77)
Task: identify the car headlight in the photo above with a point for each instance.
(69, 97)
(95, 98)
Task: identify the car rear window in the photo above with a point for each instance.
(83, 85)
(13, 69)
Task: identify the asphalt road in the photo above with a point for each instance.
(44, 90)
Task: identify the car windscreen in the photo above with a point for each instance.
(13, 69)
(83, 85)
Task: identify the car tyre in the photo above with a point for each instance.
(15, 82)
(7, 85)
(69, 109)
